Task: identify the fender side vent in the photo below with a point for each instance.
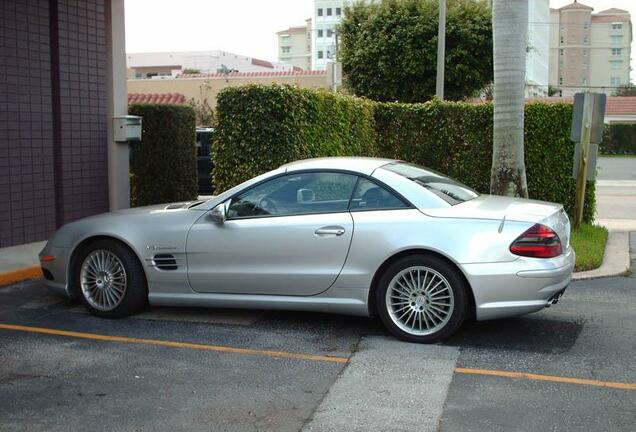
(164, 262)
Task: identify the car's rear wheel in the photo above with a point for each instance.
(422, 298)
(111, 281)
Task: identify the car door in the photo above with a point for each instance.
(286, 236)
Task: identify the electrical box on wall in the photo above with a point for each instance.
(127, 128)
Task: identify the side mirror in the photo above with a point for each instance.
(218, 214)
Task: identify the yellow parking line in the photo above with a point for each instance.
(13, 276)
(174, 344)
(552, 378)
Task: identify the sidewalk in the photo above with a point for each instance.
(19, 263)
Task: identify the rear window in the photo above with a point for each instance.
(444, 187)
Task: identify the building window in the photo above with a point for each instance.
(562, 39)
(329, 33)
(321, 54)
(617, 26)
(561, 52)
(585, 39)
(617, 39)
(319, 12)
(616, 81)
(584, 81)
(561, 63)
(285, 49)
(584, 65)
(616, 51)
(329, 10)
(338, 11)
(584, 53)
(616, 64)
(586, 25)
(560, 80)
(320, 33)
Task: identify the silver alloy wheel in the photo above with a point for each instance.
(103, 280)
(420, 301)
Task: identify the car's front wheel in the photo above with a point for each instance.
(110, 278)
(422, 298)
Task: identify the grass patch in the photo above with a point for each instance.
(589, 244)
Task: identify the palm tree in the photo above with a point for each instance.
(510, 33)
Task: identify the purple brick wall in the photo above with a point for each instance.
(53, 116)
(27, 199)
(83, 103)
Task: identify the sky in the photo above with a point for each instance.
(245, 27)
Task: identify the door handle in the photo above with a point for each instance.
(331, 230)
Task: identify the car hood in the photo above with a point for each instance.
(121, 223)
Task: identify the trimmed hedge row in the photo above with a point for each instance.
(262, 127)
(619, 139)
(163, 165)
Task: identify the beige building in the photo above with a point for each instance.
(204, 88)
(294, 46)
(589, 51)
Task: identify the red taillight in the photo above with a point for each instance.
(538, 242)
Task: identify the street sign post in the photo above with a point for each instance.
(587, 131)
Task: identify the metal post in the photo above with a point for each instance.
(334, 69)
(581, 180)
(441, 49)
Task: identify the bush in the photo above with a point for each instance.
(163, 165)
(261, 128)
(619, 139)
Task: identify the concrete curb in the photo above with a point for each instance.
(19, 275)
(615, 259)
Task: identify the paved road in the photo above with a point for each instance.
(616, 192)
(57, 382)
(616, 168)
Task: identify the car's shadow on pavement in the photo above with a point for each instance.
(527, 333)
(531, 333)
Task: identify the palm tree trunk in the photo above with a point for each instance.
(510, 33)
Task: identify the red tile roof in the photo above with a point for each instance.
(263, 63)
(616, 105)
(614, 11)
(576, 5)
(266, 74)
(156, 98)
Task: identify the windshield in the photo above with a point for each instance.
(446, 188)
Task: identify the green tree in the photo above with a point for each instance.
(388, 50)
(626, 90)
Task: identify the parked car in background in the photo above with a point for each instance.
(204, 160)
(358, 236)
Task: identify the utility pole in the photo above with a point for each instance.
(441, 50)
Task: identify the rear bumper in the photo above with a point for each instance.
(518, 287)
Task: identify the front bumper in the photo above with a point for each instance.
(518, 287)
(56, 271)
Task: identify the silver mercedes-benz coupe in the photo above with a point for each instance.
(361, 236)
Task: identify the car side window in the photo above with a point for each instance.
(369, 196)
(295, 194)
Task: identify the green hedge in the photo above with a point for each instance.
(619, 139)
(163, 165)
(262, 127)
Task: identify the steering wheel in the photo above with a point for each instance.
(268, 205)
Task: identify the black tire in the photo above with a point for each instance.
(135, 297)
(459, 291)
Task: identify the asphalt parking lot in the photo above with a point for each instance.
(569, 367)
